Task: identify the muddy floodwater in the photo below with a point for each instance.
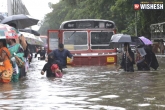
(86, 88)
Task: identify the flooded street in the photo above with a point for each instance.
(84, 88)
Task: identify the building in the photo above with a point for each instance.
(12, 7)
(16, 7)
(3, 9)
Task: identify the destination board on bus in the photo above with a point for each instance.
(88, 24)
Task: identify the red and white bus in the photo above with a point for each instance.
(87, 39)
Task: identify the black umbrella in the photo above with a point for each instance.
(136, 41)
(30, 31)
(1, 18)
(151, 58)
(22, 21)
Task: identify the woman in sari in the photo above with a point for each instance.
(16, 51)
(6, 70)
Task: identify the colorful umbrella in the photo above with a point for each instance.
(31, 31)
(145, 40)
(39, 40)
(7, 32)
(32, 39)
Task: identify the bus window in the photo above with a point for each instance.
(100, 40)
(75, 40)
(53, 40)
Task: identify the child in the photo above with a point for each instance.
(55, 69)
(47, 67)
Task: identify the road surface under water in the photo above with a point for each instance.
(85, 88)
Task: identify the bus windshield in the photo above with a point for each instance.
(100, 40)
(75, 40)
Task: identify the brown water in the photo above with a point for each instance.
(85, 88)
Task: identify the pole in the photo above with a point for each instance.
(135, 23)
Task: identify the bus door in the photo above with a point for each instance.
(53, 39)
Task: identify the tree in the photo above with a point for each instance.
(119, 11)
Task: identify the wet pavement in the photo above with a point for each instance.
(86, 88)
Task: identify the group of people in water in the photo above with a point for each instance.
(143, 62)
(14, 55)
(13, 60)
(56, 61)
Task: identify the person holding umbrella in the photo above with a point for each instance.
(128, 59)
(22, 41)
(16, 51)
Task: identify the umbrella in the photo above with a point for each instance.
(7, 32)
(40, 42)
(30, 31)
(121, 38)
(21, 20)
(136, 41)
(145, 40)
(118, 39)
(1, 18)
(32, 39)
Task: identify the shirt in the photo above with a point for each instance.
(61, 56)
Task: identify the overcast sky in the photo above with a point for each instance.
(38, 8)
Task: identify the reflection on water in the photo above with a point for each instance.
(84, 88)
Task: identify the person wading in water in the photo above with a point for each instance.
(128, 59)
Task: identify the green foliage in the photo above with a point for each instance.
(119, 11)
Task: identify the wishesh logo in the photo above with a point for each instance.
(149, 5)
(136, 6)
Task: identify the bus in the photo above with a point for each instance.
(87, 39)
